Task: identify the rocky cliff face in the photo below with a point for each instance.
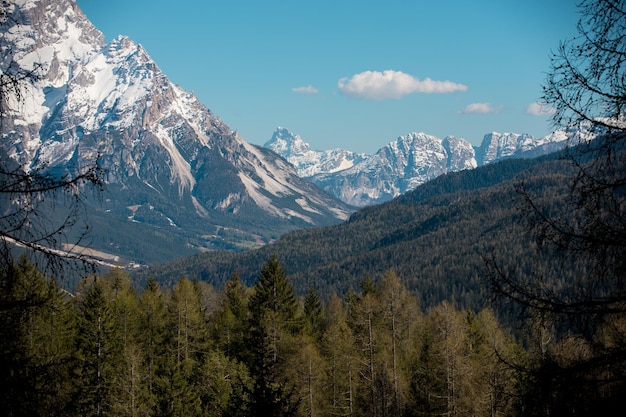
(398, 167)
(496, 146)
(361, 180)
(164, 152)
(405, 163)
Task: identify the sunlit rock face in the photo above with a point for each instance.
(161, 148)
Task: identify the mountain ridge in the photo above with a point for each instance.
(178, 179)
(434, 237)
(404, 163)
(171, 164)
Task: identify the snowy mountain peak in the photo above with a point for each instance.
(160, 146)
(461, 154)
(406, 162)
(306, 161)
(283, 142)
(360, 179)
(496, 146)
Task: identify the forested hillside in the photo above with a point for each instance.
(436, 238)
(197, 350)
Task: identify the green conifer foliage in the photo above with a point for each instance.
(36, 334)
(274, 324)
(187, 346)
(400, 313)
(365, 320)
(228, 327)
(99, 353)
(315, 317)
(152, 317)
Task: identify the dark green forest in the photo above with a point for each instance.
(436, 238)
(194, 350)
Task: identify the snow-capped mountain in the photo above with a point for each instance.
(496, 146)
(307, 161)
(166, 155)
(398, 167)
(360, 179)
(405, 163)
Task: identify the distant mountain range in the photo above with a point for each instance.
(405, 163)
(178, 179)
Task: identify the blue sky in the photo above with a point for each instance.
(353, 74)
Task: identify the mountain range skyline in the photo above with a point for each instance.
(410, 160)
(354, 74)
(172, 165)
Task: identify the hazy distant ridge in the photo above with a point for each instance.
(403, 164)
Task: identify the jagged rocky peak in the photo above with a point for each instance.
(499, 145)
(306, 161)
(496, 146)
(398, 167)
(404, 163)
(160, 146)
(38, 23)
(412, 141)
(360, 179)
(283, 142)
(461, 153)
(419, 151)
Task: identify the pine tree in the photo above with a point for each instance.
(152, 339)
(223, 386)
(365, 319)
(427, 387)
(229, 324)
(35, 343)
(187, 347)
(341, 364)
(492, 388)
(188, 322)
(399, 314)
(51, 337)
(274, 321)
(131, 382)
(315, 320)
(99, 354)
(124, 303)
(307, 371)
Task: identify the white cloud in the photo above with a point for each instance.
(375, 85)
(539, 109)
(480, 108)
(309, 89)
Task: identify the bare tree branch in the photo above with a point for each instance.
(37, 207)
